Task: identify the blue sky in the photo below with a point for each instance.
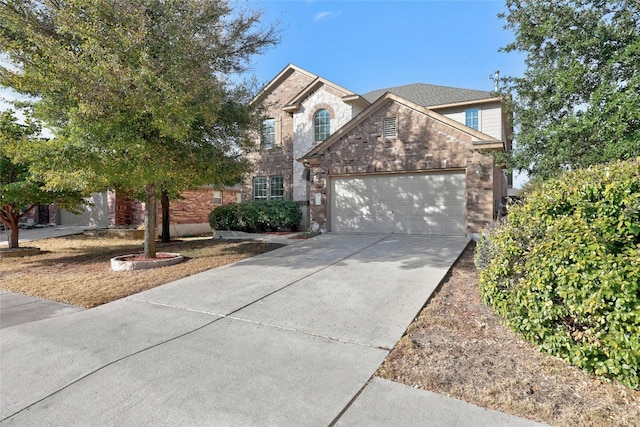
(367, 45)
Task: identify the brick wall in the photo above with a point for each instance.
(279, 160)
(195, 206)
(422, 144)
(124, 210)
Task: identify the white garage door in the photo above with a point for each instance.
(431, 203)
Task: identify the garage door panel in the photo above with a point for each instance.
(404, 203)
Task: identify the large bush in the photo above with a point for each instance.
(256, 216)
(563, 269)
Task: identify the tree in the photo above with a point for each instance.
(225, 170)
(141, 91)
(20, 190)
(578, 102)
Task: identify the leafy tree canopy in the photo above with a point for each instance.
(138, 92)
(20, 189)
(578, 103)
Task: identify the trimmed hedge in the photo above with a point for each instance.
(256, 216)
(563, 269)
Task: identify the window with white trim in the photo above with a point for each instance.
(260, 188)
(268, 188)
(321, 125)
(217, 197)
(268, 134)
(471, 118)
(276, 188)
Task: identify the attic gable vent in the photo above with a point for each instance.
(389, 127)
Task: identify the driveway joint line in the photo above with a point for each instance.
(20, 305)
(307, 276)
(352, 401)
(106, 365)
(230, 315)
(188, 332)
(177, 307)
(269, 325)
(311, 334)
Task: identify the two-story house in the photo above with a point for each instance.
(408, 159)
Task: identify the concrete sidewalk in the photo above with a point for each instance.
(38, 233)
(17, 309)
(290, 337)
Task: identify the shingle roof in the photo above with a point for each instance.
(431, 95)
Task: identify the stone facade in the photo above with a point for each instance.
(340, 112)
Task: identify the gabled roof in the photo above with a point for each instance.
(479, 139)
(349, 96)
(431, 95)
(286, 72)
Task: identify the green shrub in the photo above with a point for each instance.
(223, 217)
(484, 251)
(256, 216)
(563, 269)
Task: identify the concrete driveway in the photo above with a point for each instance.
(290, 337)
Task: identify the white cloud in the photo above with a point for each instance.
(322, 15)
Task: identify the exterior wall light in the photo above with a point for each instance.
(479, 171)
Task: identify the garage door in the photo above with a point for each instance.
(404, 203)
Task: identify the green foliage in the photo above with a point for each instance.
(224, 217)
(485, 251)
(143, 94)
(578, 102)
(256, 216)
(564, 269)
(20, 188)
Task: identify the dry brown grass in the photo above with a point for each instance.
(76, 269)
(458, 347)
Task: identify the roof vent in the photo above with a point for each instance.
(389, 127)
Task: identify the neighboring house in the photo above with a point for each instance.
(409, 159)
(188, 215)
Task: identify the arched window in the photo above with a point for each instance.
(321, 125)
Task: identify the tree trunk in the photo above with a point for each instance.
(10, 221)
(164, 201)
(150, 221)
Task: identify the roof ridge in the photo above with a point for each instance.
(388, 89)
(430, 95)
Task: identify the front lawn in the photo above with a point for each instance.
(76, 269)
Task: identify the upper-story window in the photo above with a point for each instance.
(471, 118)
(321, 125)
(268, 133)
